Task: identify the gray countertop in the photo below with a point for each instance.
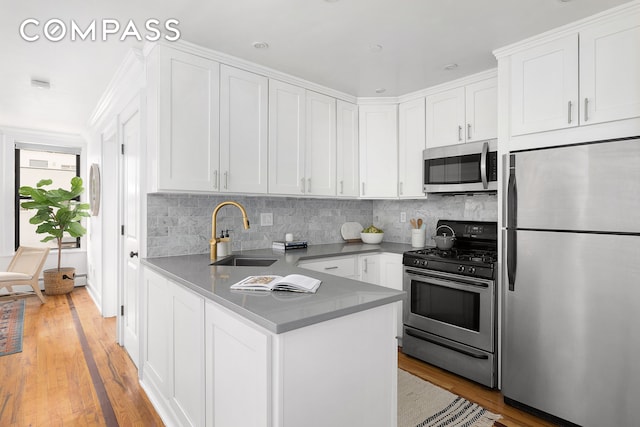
(282, 311)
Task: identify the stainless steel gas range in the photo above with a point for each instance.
(450, 315)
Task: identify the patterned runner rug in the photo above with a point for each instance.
(422, 404)
(11, 323)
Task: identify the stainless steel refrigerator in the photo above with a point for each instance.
(571, 320)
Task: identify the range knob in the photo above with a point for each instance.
(461, 268)
(471, 270)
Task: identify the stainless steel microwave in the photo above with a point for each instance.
(461, 168)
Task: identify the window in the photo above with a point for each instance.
(33, 163)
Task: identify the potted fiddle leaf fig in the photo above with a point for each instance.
(57, 214)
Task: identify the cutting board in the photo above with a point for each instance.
(351, 231)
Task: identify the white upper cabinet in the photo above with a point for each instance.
(183, 120)
(243, 132)
(463, 114)
(320, 165)
(610, 70)
(584, 78)
(347, 170)
(445, 118)
(302, 141)
(544, 87)
(378, 126)
(411, 143)
(481, 110)
(287, 133)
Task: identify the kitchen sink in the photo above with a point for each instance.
(240, 261)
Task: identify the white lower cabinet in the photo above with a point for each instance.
(370, 268)
(384, 269)
(174, 350)
(205, 365)
(238, 371)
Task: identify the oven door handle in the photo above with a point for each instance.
(446, 280)
(450, 347)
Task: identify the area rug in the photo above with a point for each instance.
(422, 404)
(11, 322)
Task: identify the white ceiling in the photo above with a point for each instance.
(326, 42)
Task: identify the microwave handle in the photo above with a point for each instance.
(483, 165)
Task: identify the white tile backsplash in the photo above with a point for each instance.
(472, 207)
(180, 224)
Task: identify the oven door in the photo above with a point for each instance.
(455, 307)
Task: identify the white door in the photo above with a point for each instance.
(347, 167)
(243, 131)
(130, 134)
(481, 101)
(445, 118)
(286, 138)
(411, 143)
(320, 165)
(610, 71)
(544, 87)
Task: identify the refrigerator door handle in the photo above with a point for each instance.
(483, 165)
(512, 212)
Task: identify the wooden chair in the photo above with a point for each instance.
(24, 269)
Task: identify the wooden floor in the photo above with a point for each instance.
(50, 383)
(55, 382)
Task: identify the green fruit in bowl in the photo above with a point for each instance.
(372, 229)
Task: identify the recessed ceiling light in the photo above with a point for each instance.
(450, 67)
(41, 83)
(375, 47)
(261, 45)
(381, 90)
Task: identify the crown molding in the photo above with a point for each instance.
(568, 29)
(233, 61)
(129, 77)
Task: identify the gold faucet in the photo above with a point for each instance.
(214, 240)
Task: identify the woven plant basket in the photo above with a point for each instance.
(58, 282)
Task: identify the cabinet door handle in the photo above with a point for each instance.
(226, 180)
(302, 185)
(569, 112)
(586, 107)
(366, 265)
(308, 185)
(215, 179)
(400, 188)
(331, 268)
(459, 133)
(468, 130)
(363, 188)
(341, 187)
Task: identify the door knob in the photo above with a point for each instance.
(133, 254)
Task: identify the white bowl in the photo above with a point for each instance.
(372, 238)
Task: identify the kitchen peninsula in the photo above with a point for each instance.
(217, 357)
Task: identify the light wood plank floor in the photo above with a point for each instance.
(49, 383)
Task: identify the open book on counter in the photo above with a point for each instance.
(291, 283)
